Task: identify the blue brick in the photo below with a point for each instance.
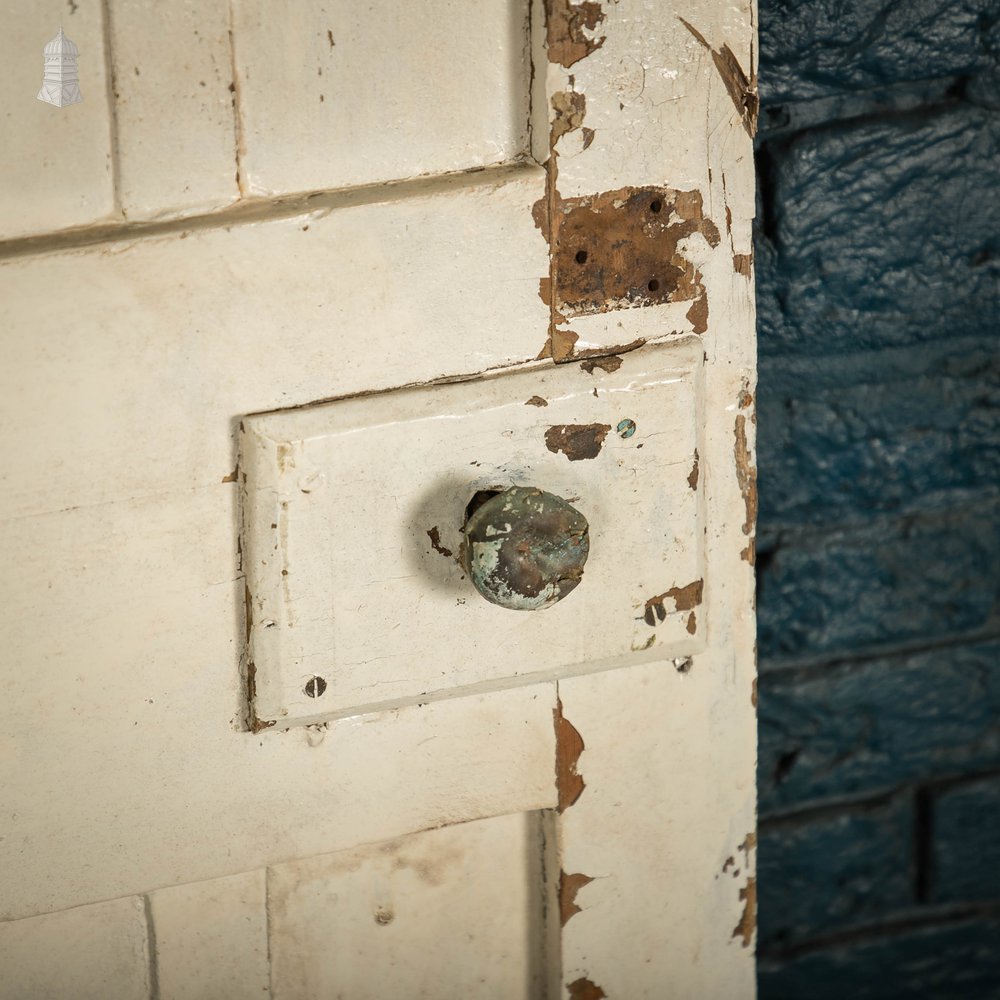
(965, 856)
(810, 48)
(893, 434)
(864, 727)
(828, 873)
(960, 961)
(846, 591)
(880, 234)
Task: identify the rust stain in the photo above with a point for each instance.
(570, 109)
(619, 249)
(607, 364)
(743, 263)
(576, 441)
(748, 921)
(231, 478)
(536, 401)
(742, 89)
(435, 536)
(569, 746)
(692, 624)
(746, 476)
(684, 598)
(565, 24)
(693, 475)
(585, 989)
(569, 886)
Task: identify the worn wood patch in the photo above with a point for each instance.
(570, 30)
(621, 249)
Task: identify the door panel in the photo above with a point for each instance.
(382, 90)
(577, 792)
(454, 912)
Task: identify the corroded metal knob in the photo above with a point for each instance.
(525, 548)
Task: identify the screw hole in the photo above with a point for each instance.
(581, 256)
(653, 285)
(655, 205)
(315, 687)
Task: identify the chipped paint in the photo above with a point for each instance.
(569, 746)
(684, 599)
(692, 624)
(585, 989)
(748, 920)
(743, 263)
(536, 401)
(576, 441)
(606, 364)
(693, 475)
(742, 89)
(570, 107)
(435, 536)
(617, 249)
(746, 476)
(569, 30)
(569, 886)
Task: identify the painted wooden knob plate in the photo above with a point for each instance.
(525, 548)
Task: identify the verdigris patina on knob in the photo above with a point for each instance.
(525, 549)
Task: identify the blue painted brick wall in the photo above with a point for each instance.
(878, 272)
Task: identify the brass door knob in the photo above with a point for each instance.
(524, 548)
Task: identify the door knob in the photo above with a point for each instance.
(524, 548)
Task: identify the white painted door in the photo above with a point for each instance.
(289, 289)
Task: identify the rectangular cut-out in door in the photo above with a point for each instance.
(352, 533)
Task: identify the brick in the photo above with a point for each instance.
(872, 236)
(965, 858)
(174, 109)
(88, 953)
(913, 579)
(811, 48)
(917, 429)
(827, 873)
(864, 727)
(959, 961)
(211, 939)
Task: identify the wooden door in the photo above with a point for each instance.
(287, 291)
